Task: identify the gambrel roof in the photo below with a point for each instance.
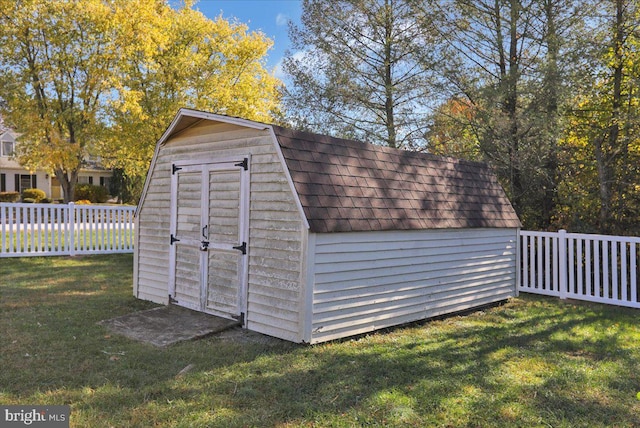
(350, 186)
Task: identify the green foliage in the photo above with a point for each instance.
(127, 189)
(28, 201)
(92, 193)
(362, 69)
(36, 194)
(9, 196)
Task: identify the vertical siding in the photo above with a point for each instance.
(370, 280)
(275, 225)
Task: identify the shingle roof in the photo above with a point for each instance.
(348, 186)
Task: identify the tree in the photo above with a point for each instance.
(452, 131)
(56, 61)
(361, 69)
(606, 124)
(102, 78)
(185, 61)
(507, 64)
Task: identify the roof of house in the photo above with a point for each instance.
(349, 186)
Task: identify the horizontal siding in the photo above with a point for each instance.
(275, 224)
(371, 280)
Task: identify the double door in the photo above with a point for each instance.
(209, 226)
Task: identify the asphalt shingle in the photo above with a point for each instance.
(348, 186)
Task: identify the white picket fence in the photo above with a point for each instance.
(596, 268)
(64, 229)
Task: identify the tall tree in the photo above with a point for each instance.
(507, 65)
(56, 60)
(95, 77)
(490, 42)
(185, 61)
(606, 124)
(361, 68)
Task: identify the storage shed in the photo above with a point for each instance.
(310, 238)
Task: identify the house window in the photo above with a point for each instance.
(25, 181)
(7, 148)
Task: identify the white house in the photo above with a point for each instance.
(15, 178)
(310, 238)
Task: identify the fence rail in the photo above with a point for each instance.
(64, 229)
(596, 268)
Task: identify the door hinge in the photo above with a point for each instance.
(240, 318)
(173, 239)
(244, 164)
(174, 169)
(242, 248)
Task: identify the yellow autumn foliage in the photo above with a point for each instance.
(103, 78)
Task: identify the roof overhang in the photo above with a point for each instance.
(187, 118)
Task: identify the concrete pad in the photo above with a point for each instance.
(167, 325)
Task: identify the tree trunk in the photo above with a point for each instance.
(607, 145)
(388, 78)
(551, 89)
(68, 182)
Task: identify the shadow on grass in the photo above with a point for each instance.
(531, 362)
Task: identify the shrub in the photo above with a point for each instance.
(83, 202)
(36, 194)
(91, 193)
(28, 200)
(9, 196)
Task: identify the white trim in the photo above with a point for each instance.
(152, 167)
(204, 220)
(243, 229)
(287, 174)
(184, 112)
(173, 210)
(308, 286)
(205, 168)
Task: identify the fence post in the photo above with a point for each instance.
(518, 262)
(72, 229)
(562, 263)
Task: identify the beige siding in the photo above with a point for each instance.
(371, 280)
(275, 224)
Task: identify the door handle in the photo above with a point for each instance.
(205, 232)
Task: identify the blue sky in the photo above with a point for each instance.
(268, 16)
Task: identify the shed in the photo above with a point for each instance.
(310, 238)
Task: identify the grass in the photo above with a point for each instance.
(531, 362)
(53, 240)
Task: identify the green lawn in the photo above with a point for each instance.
(54, 241)
(532, 362)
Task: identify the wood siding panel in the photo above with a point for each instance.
(370, 280)
(275, 224)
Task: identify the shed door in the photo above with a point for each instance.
(209, 246)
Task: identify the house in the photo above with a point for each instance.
(311, 238)
(15, 178)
